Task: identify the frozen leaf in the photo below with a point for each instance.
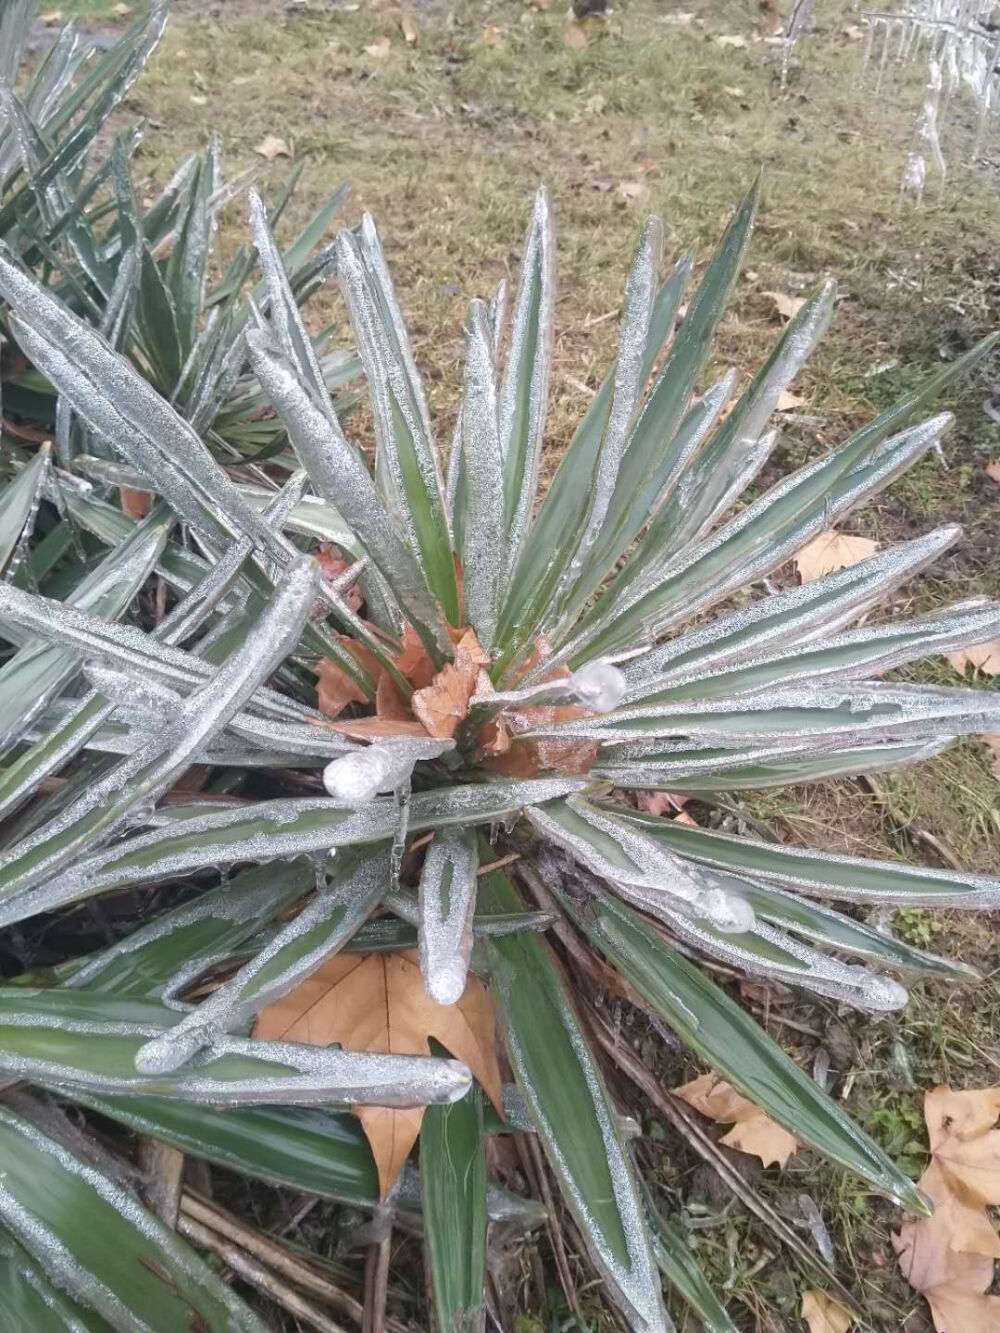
(983, 658)
(753, 1130)
(830, 551)
(445, 701)
(993, 470)
(786, 306)
(788, 401)
(380, 49)
(378, 1002)
(734, 40)
(823, 1314)
(271, 147)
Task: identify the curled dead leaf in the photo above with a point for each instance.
(134, 503)
(786, 306)
(444, 703)
(983, 658)
(753, 1129)
(271, 147)
(823, 1314)
(660, 802)
(378, 1002)
(830, 551)
(574, 35)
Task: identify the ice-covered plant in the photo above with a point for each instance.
(503, 673)
(144, 273)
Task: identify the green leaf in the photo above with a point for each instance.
(726, 1037)
(29, 1301)
(562, 1085)
(679, 1266)
(453, 1180)
(98, 1244)
(18, 502)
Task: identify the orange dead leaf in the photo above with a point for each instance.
(444, 703)
(414, 661)
(377, 728)
(830, 551)
(526, 758)
(984, 657)
(134, 503)
(335, 688)
(823, 1314)
(389, 702)
(332, 563)
(753, 1129)
(378, 1002)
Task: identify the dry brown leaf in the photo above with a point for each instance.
(380, 49)
(492, 36)
(984, 658)
(414, 661)
(408, 27)
(134, 503)
(574, 35)
(632, 189)
(378, 1002)
(993, 470)
(854, 32)
(753, 1129)
(335, 688)
(331, 561)
(122, 10)
(786, 306)
(732, 40)
(390, 705)
(788, 401)
(660, 802)
(443, 704)
(271, 147)
(823, 1314)
(51, 19)
(378, 728)
(830, 551)
(992, 740)
(949, 1256)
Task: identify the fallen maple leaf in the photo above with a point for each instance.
(823, 1314)
(753, 1129)
(378, 1002)
(830, 551)
(984, 657)
(993, 470)
(786, 306)
(949, 1256)
(444, 703)
(271, 147)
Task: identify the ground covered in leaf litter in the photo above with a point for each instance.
(444, 117)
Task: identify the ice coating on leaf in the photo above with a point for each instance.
(761, 537)
(275, 830)
(525, 387)
(642, 872)
(482, 467)
(447, 904)
(797, 616)
(101, 809)
(343, 479)
(146, 696)
(355, 778)
(855, 711)
(318, 931)
(762, 950)
(195, 1293)
(599, 685)
(629, 383)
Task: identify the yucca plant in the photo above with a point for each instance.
(503, 674)
(144, 275)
